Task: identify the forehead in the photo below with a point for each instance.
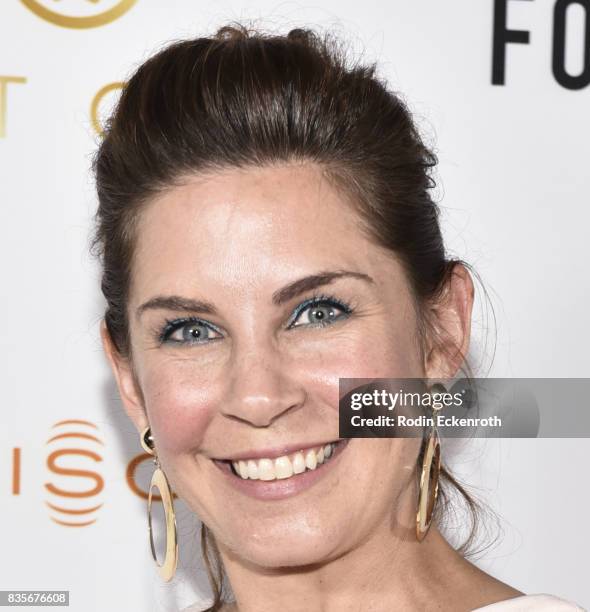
(249, 224)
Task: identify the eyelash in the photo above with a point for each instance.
(173, 325)
(316, 300)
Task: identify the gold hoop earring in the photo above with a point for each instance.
(168, 568)
(429, 476)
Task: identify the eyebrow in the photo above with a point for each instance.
(307, 283)
(175, 302)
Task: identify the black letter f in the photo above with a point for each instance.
(502, 36)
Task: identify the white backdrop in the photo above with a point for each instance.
(512, 185)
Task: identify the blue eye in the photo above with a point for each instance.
(319, 311)
(188, 331)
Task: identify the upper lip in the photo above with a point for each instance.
(276, 451)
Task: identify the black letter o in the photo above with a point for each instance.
(559, 72)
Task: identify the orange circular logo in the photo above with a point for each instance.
(79, 13)
(74, 506)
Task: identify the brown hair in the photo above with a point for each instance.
(244, 98)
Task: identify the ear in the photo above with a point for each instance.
(129, 389)
(452, 323)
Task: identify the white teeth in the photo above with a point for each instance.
(311, 460)
(252, 470)
(285, 466)
(321, 455)
(243, 469)
(266, 469)
(298, 463)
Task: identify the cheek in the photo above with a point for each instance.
(180, 404)
(388, 353)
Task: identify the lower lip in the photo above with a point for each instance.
(284, 487)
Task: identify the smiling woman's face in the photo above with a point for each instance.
(253, 292)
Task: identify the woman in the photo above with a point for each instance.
(266, 228)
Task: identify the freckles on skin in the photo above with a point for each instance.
(234, 239)
(179, 406)
(386, 350)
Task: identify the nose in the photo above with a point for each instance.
(261, 388)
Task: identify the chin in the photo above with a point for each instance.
(287, 553)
